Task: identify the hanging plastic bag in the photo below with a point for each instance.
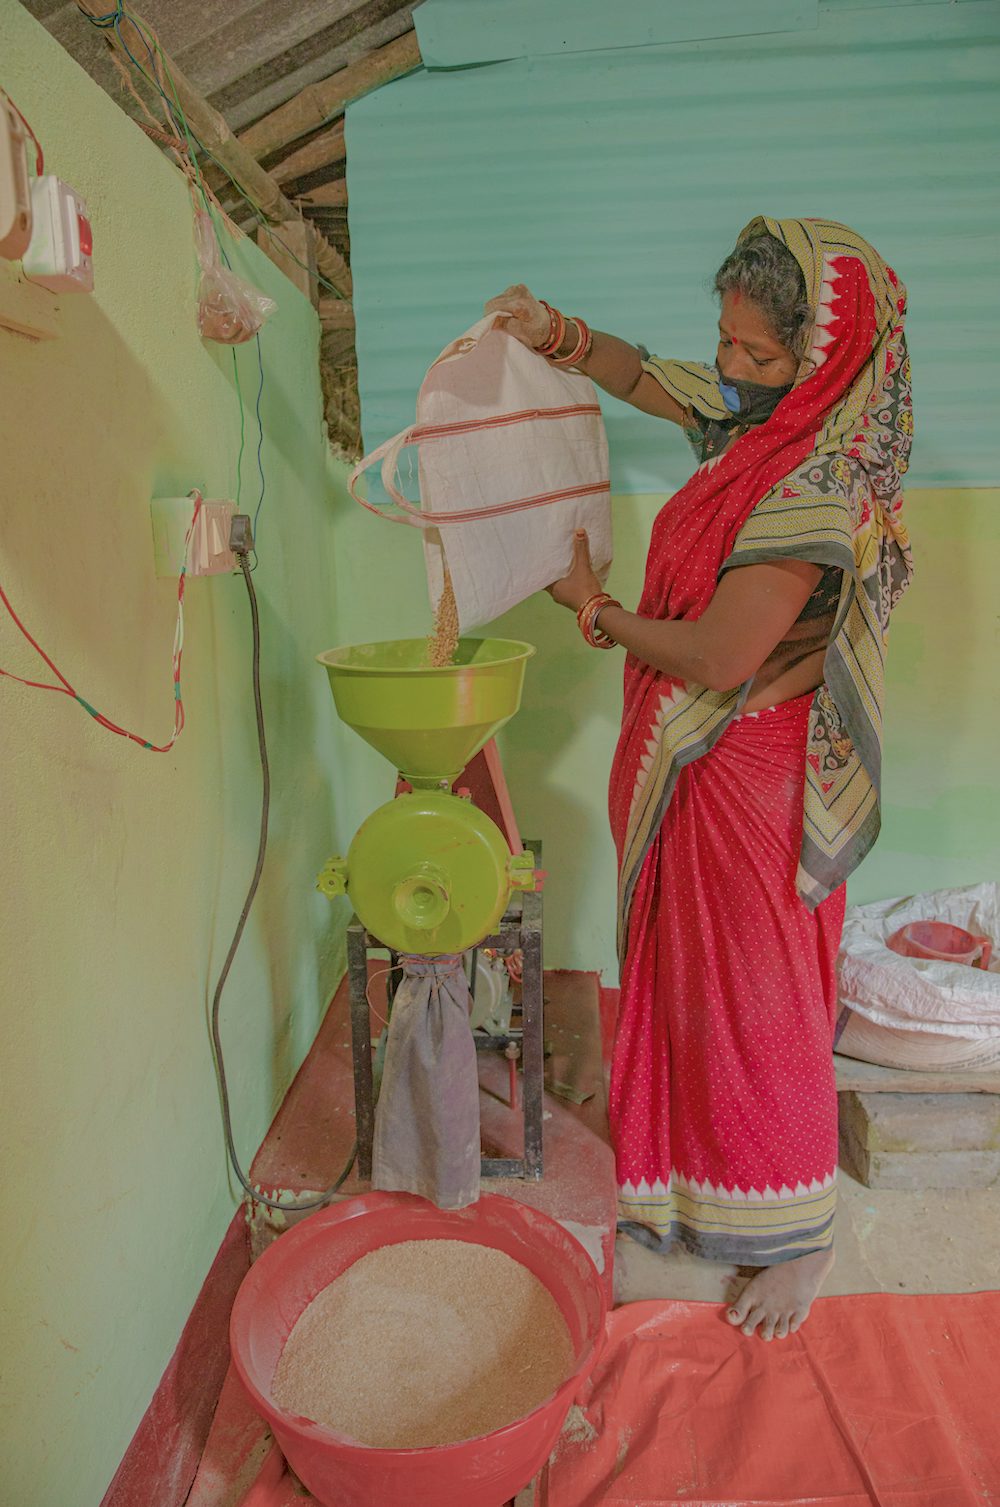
(512, 459)
(230, 310)
(913, 1012)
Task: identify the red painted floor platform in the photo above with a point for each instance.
(304, 1151)
(313, 1132)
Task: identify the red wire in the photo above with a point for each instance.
(37, 647)
(39, 154)
(67, 689)
(379, 973)
(36, 685)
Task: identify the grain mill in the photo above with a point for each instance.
(433, 879)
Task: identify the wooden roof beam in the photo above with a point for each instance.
(326, 149)
(332, 195)
(336, 314)
(315, 105)
(240, 164)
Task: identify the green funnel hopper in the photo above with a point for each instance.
(428, 722)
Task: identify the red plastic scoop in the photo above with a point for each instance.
(941, 941)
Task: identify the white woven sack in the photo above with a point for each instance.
(914, 1051)
(908, 1012)
(512, 459)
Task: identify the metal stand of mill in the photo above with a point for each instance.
(520, 929)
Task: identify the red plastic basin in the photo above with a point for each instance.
(482, 1472)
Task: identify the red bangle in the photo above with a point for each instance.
(557, 331)
(586, 616)
(584, 606)
(585, 340)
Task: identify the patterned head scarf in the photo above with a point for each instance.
(819, 481)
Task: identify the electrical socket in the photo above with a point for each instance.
(209, 553)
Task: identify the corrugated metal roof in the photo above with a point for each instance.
(614, 182)
(246, 56)
(250, 59)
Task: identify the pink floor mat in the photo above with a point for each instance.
(878, 1401)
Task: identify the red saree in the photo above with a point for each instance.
(735, 834)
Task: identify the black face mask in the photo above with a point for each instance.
(751, 402)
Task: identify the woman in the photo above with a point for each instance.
(745, 784)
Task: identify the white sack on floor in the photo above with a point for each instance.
(912, 1013)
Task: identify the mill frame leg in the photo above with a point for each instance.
(519, 930)
(533, 1030)
(358, 944)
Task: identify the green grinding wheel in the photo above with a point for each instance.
(429, 873)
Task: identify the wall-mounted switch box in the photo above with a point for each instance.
(60, 256)
(208, 553)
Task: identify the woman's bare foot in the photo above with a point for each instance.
(778, 1298)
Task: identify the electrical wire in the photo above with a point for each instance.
(266, 225)
(66, 689)
(268, 229)
(112, 21)
(380, 973)
(157, 63)
(154, 53)
(260, 437)
(243, 430)
(272, 1203)
(39, 154)
(260, 422)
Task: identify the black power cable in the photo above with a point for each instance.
(241, 543)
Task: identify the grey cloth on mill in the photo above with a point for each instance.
(427, 1118)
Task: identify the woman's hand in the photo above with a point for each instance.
(528, 321)
(581, 584)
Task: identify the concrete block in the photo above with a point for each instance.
(923, 1122)
(915, 1171)
(914, 1141)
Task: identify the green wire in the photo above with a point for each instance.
(193, 156)
(239, 461)
(192, 140)
(193, 144)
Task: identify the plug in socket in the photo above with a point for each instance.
(240, 534)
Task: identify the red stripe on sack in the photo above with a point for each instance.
(543, 499)
(465, 426)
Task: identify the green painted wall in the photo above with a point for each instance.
(124, 871)
(942, 816)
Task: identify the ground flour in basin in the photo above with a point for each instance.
(425, 1342)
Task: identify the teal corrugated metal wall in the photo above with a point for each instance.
(614, 181)
(454, 33)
